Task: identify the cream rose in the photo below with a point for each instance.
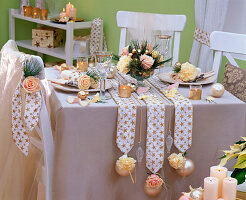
(31, 84)
(154, 181)
(147, 61)
(188, 72)
(126, 163)
(176, 161)
(84, 82)
(123, 64)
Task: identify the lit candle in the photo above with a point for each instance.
(195, 92)
(73, 13)
(210, 188)
(229, 188)
(125, 91)
(68, 8)
(82, 66)
(63, 14)
(44, 14)
(220, 173)
(35, 13)
(27, 11)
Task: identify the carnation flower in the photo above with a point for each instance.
(147, 61)
(188, 72)
(176, 161)
(123, 64)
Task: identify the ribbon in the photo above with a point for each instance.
(202, 36)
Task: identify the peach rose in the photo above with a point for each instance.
(84, 82)
(154, 181)
(125, 51)
(147, 61)
(31, 84)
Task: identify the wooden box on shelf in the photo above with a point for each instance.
(47, 37)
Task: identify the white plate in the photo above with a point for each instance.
(108, 85)
(166, 78)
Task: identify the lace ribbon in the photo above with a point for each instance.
(202, 36)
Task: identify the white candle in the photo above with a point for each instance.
(220, 199)
(229, 188)
(68, 8)
(210, 188)
(220, 173)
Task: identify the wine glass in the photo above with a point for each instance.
(103, 65)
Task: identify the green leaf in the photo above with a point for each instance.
(241, 162)
(240, 142)
(228, 157)
(239, 174)
(115, 57)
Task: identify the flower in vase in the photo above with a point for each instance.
(125, 51)
(123, 63)
(31, 84)
(147, 61)
(176, 161)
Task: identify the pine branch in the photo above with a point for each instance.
(32, 67)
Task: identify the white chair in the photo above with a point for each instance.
(230, 45)
(176, 24)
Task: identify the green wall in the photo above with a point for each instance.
(107, 9)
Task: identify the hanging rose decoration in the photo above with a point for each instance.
(125, 165)
(31, 84)
(153, 185)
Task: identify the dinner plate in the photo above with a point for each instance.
(165, 77)
(56, 83)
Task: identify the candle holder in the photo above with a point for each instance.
(44, 14)
(125, 90)
(82, 64)
(195, 92)
(27, 11)
(35, 13)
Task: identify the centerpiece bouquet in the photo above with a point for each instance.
(139, 60)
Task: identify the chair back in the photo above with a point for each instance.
(176, 24)
(230, 45)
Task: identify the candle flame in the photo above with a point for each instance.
(63, 10)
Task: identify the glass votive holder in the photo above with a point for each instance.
(27, 11)
(195, 92)
(44, 14)
(125, 89)
(82, 64)
(35, 12)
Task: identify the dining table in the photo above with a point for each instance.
(86, 150)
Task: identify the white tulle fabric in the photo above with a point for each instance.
(210, 15)
(19, 174)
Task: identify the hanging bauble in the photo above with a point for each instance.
(153, 185)
(217, 90)
(125, 165)
(196, 194)
(187, 169)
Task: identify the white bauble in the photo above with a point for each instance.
(217, 90)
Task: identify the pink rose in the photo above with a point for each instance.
(147, 61)
(125, 51)
(149, 47)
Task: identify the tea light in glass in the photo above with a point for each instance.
(125, 90)
(82, 64)
(195, 92)
(35, 13)
(44, 14)
(27, 11)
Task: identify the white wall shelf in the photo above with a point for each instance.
(65, 53)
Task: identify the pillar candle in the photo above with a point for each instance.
(73, 13)
(211, 188)
(220, 173)
(220, 199)
(229, 188)
(68, 8)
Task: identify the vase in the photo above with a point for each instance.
(23, 3)
(142, 77)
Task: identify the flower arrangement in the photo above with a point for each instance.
(185, 72)
(177, 161)
(139, 60)
(237, 151)
(154, 181)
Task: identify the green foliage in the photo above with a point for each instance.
(239, 174)
(31, 67)
(93, 75)
(115, 57)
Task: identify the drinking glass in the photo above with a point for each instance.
(103, 65)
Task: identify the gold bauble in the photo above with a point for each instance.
(196, 194)
(83, 95)
(188, 168)
(139, 50)
(152, 192)
(178, 64)
(134, 51)
(217, 90)
(123, 172)
(146, 52)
